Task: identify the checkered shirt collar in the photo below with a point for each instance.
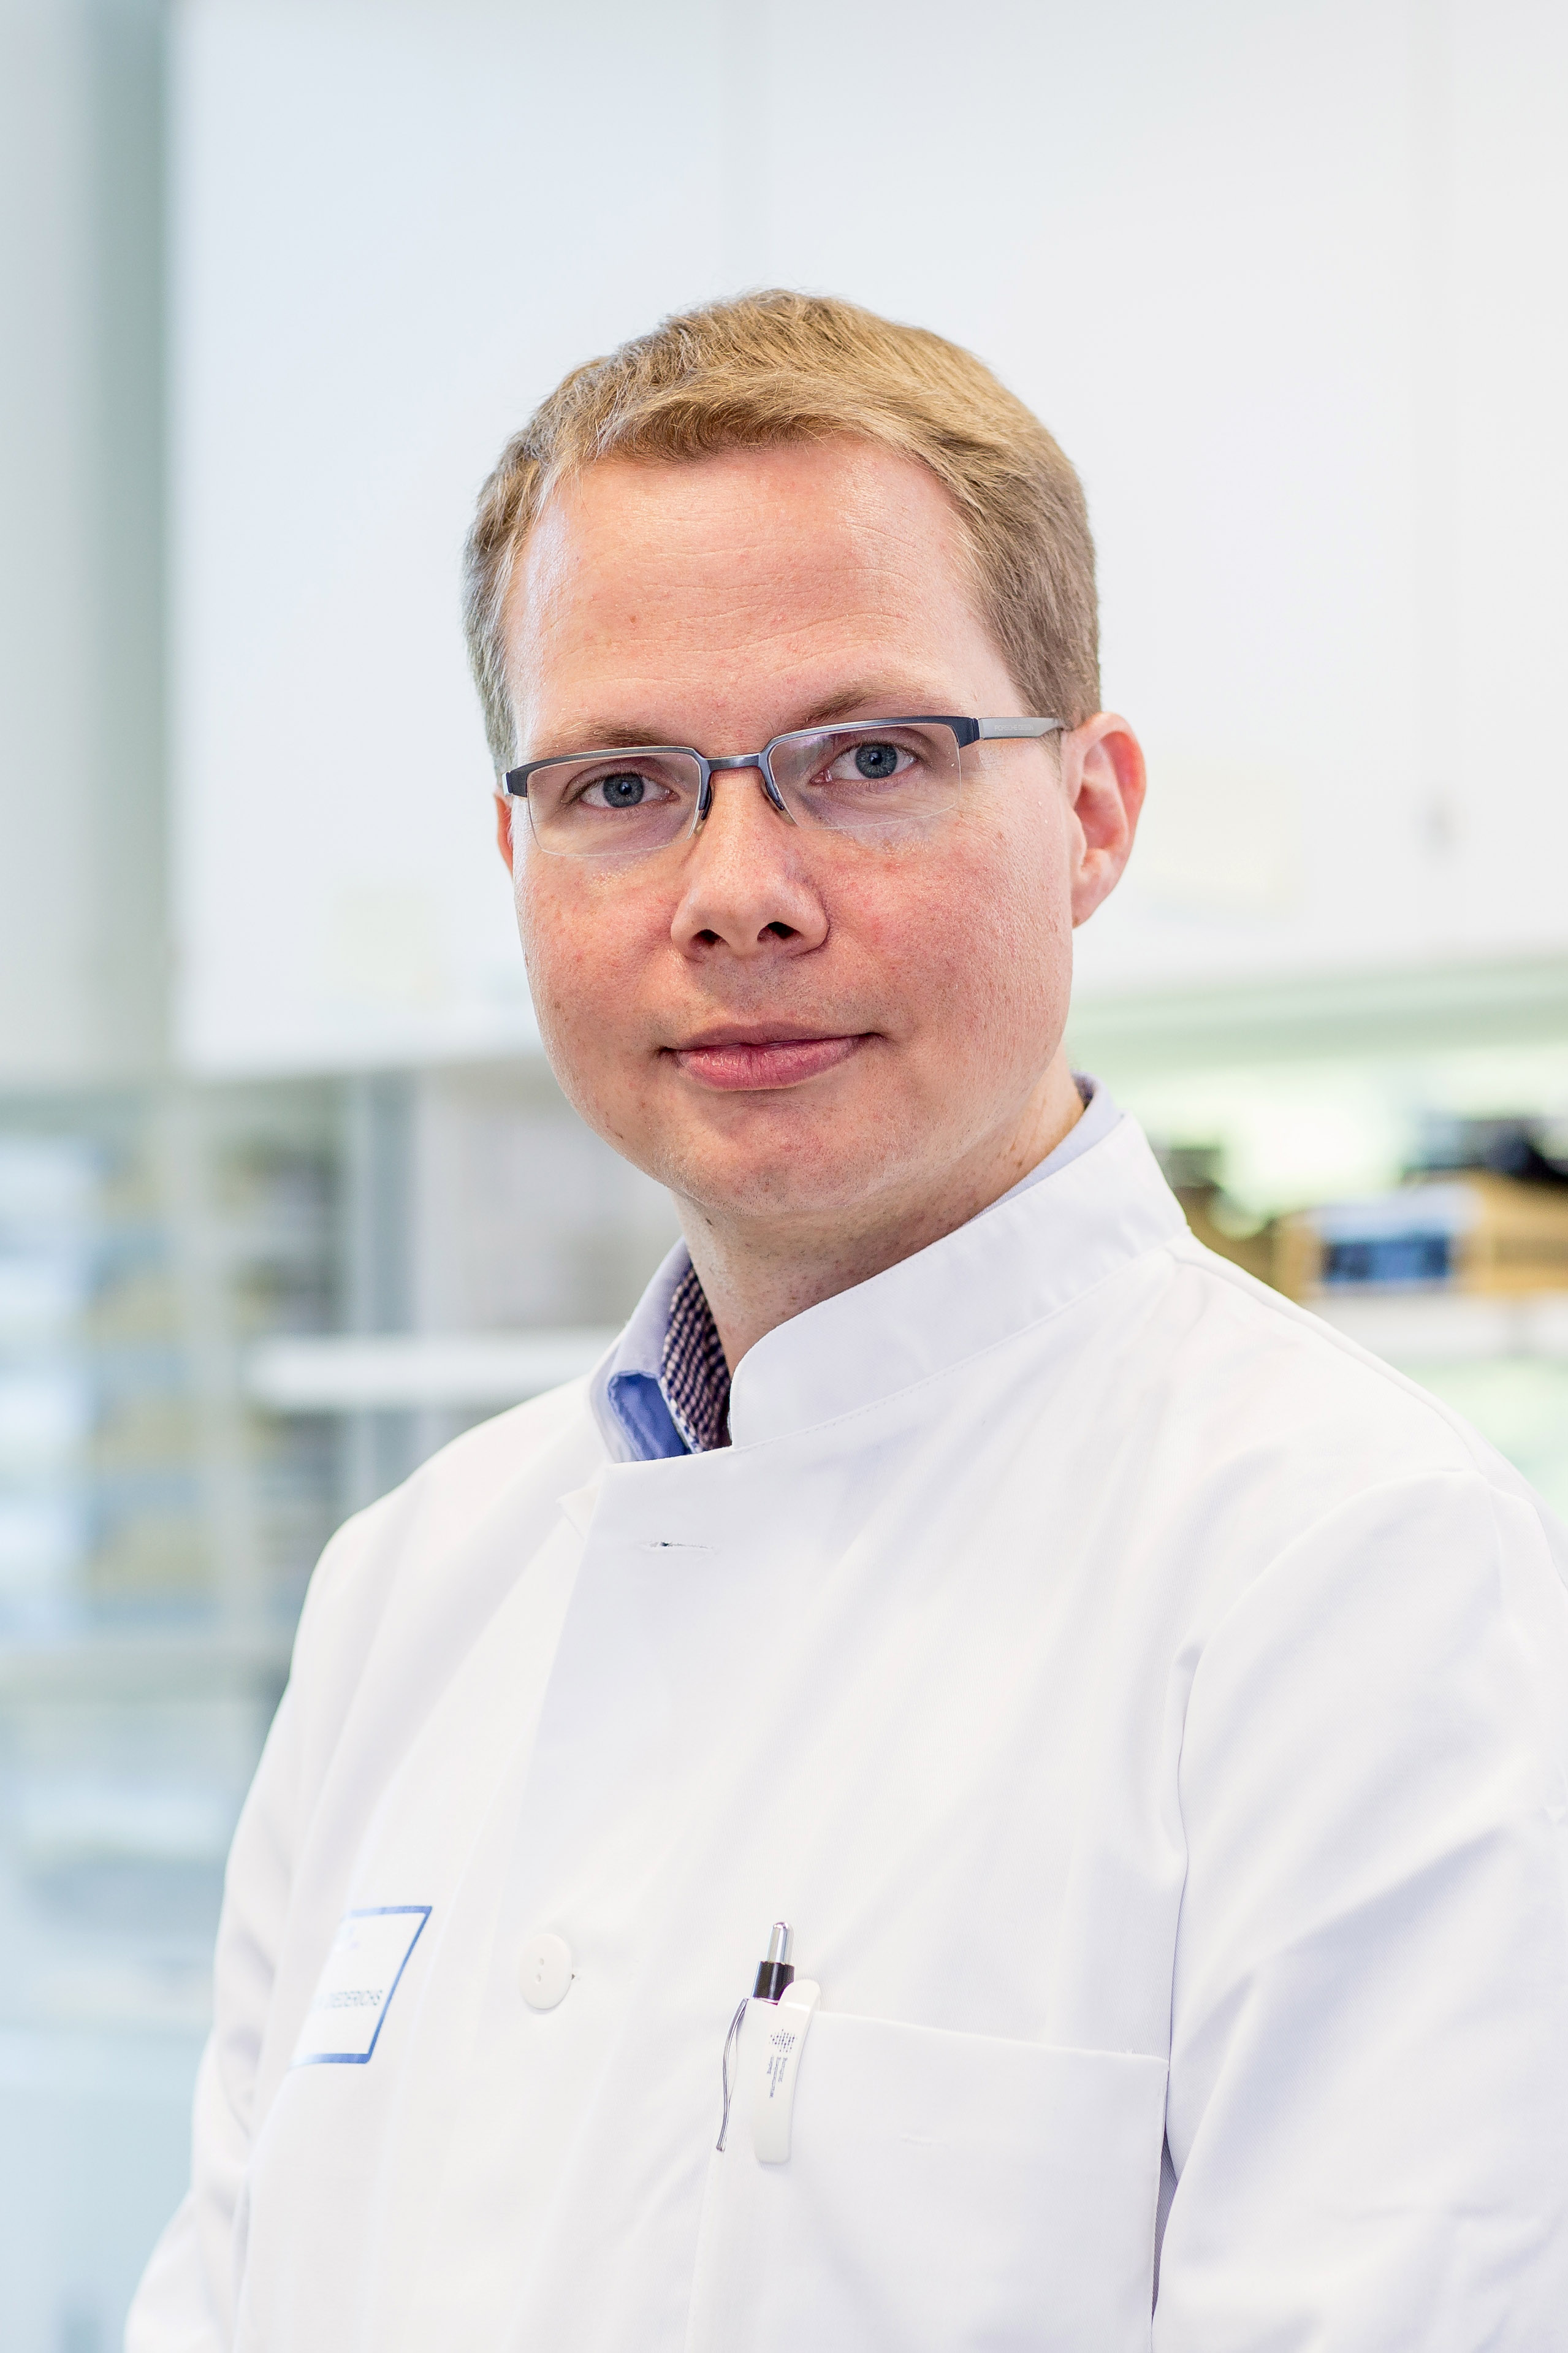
(693, 1375)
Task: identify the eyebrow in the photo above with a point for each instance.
(875, 702)
(606, 736)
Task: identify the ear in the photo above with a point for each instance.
(505, 804)
(1102, 768)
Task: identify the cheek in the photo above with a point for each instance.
(578, 956)
(980, 939)
(586, 978)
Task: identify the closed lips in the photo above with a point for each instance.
(755, 1061)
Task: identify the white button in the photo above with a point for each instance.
(544, 1972)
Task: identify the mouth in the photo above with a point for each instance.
(760, 1056)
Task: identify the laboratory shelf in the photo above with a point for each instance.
(406, 1371)
(1445, 1327)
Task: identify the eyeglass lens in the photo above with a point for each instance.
(880, 776)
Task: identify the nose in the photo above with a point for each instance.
(744, 886)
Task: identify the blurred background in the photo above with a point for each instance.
(287, 1195)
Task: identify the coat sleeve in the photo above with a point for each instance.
(186, 2298)
(1368, 2103)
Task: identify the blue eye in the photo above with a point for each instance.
(622, 791)
(875, 761)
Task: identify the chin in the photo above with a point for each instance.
(805, 1179)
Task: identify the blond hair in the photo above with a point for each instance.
(778, 367)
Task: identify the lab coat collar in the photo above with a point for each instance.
(1020, 1261)
(625, 1389)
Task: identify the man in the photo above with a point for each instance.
(1147, 1713)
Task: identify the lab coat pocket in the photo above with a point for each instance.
(944, 2193)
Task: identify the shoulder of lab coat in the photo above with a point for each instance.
(441, 1551)
(1368, 2097)
(1295, 1419)
(419, 1551)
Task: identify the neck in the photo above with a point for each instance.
(758, 1273)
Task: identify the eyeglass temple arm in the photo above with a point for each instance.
(994, 731)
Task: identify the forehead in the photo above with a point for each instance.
(671, 580)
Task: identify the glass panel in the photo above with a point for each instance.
(613, 804)
(856, 778)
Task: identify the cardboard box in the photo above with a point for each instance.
(1474, 1232)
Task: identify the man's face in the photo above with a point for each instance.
(778, 1021)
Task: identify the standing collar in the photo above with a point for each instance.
(663, 1382)
(1023, 1260)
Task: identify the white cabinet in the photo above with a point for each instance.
(1286, 281)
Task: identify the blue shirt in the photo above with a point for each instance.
(627, 1392)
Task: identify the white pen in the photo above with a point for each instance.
(775, 1973)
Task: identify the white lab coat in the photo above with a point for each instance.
(1152, 1715)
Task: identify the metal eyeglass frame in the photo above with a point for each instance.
(965, 732)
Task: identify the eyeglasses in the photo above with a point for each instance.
(880, 776)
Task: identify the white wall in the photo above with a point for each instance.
(81, 963)
(1285, 280)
